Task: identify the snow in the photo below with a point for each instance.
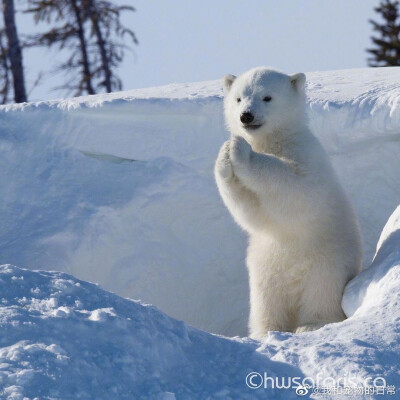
(376, 289)
(118, 189)
(68, 339)
(63, 338)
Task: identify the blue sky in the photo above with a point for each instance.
(185, 41)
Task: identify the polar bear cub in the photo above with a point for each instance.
(277, 182)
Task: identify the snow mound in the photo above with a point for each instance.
(118, 189)
(377, 288)
(63, 338)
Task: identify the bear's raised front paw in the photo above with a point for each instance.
(240, 150)
(223, 165)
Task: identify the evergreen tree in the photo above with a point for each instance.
(5, 70)
(109, 33)
(13, 52)
(387, 51)
(67, 31)
(92, 34)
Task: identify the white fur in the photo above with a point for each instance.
(278, 183)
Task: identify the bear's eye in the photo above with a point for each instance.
(267, 98)
(238, 99)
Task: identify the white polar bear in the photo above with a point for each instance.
(277, 181)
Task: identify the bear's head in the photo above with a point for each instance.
(263, 101)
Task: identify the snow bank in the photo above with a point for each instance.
(68, 339)
(377, 289)
(118, 189)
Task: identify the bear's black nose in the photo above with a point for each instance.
(247, 117)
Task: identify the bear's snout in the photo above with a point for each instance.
(246, 117)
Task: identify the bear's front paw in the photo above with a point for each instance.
(223, 166)
(240, 150)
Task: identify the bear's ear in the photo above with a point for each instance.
(298, 81)
(227, 81)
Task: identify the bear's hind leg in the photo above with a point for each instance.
(320, 301)
(269, 311)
